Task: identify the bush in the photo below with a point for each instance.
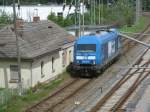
(63, 22)
(5, 18)
(120, 12)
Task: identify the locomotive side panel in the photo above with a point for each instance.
(109, 49)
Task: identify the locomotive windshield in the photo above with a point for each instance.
(86, 47)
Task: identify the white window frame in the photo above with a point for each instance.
(14, 74)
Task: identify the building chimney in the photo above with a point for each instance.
(19, 23)
(36, 18)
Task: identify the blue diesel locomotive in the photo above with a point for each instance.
(93, 53)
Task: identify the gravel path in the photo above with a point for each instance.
(144, 104)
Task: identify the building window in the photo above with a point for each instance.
(69, 56)
(60, 14)
(53, 59)
(14, 77)
(42, 69)
(64, 58)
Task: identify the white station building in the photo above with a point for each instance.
(46, 49)
(28, 12)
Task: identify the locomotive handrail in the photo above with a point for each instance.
(133, 39)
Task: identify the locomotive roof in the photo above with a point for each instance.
(101, 37)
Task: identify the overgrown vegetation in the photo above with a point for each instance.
(120, 13)
(60, 20)
(1, 89)
(115, 13)
(5, 18)
(19, 103)
(137, 27)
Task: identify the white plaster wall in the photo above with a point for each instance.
(47, 68)
(27, 12)
(2, 72)
(5, 74)
(31, 71)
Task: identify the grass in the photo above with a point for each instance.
(138, 27)
(1, 89)
(19, 103)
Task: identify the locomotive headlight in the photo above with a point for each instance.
(79, 57)
(94, 62)
(91, 57)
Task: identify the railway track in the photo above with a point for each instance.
(128, 44)
(53, 101)
(116, 97)
(49, 103)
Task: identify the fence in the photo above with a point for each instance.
(7, 94)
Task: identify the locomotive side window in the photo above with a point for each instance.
(111, 48)
(86, 47)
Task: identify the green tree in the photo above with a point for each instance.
(120, 12)
(52, 17)
(124, 12)
(5, 18)
(60, 20)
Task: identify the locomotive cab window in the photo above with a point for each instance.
(86, 47)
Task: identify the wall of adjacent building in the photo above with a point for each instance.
(28, 12)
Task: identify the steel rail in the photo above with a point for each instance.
(120, 102)
(51, 109)
(128, 37)
(124, 98)
(44, 105)
(117, 85)
(55, 93)
(126, 41)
